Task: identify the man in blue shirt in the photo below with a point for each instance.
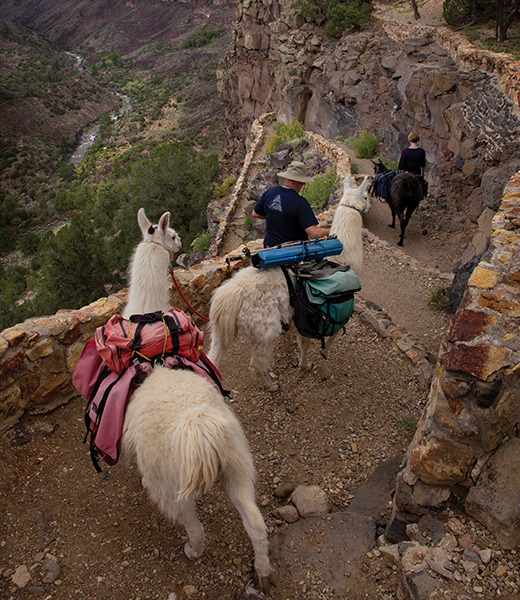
(289, 217)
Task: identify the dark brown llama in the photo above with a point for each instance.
(403, 197)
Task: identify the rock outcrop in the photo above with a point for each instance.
(389, 79)
(467, 438)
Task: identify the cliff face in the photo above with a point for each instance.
(278, 62)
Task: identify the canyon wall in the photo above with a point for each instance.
(388, 78)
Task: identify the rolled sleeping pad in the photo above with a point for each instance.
(296, 252)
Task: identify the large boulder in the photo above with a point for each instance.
(494, 499)
(495, 179)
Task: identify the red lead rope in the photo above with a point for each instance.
(184, 297)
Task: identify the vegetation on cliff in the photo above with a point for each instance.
(66, 233)
(502, 13)
(337, 15)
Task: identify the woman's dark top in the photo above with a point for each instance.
(412, 159)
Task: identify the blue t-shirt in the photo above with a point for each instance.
(287, 215)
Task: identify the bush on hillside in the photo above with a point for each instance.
(202, 38)
(290, 132)
(223, 190)
(461, 12)
(318, 192)
(337, 15)
(75, 268)
(12, 286)
(366, 144)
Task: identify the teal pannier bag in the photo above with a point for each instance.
(323, 299)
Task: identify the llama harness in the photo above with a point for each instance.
(119, 358)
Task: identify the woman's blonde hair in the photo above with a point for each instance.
(413, 137)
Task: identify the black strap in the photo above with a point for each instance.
(147, 317)
(292, 295)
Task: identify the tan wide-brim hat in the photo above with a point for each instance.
(296, 172)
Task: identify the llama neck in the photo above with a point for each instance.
(149, 280)
(354, 208)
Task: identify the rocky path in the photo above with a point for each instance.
(339, 430)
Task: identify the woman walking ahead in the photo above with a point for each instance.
(413, 160)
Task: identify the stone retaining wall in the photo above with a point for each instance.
(467, 56)
(473, 409)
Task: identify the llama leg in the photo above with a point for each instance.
(328, 343)
(303, 345)
(240, 491)
(392, 225)
(215, 350)
(187, 516)
(403, 219)
(261, 360)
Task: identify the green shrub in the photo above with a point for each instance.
(201, 244)
(286, 133)
(223, 190)
(440, 298)
(390, 163)
(248, 223)
(318, 192)
(456, 12)
(365, 145)
(29, 243)
(338, 15)
(347, 16)
(202, 38)
(293, 143)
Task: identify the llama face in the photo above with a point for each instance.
(356, 197)
(172, 241)
(160, 234)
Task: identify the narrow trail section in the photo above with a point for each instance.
(399, 281)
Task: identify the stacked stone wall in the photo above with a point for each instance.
(472, 415)
(467, 56)
(473, 408)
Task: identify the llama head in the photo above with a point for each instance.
(160, 234)
(379, 166)
(356, 197)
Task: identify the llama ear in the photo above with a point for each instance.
(346, 183)
(164, 222)
(144, 223)
(363, 186)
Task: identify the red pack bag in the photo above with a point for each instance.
(148, 336)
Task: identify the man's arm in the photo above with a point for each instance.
(256, 215)
(314, 231)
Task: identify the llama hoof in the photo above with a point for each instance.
(392, 226)
(190, 552)
(306, 366)
(267, 581)
(399, 243)
(325, 354)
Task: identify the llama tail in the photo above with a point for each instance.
(223, 316)
(199, 447)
